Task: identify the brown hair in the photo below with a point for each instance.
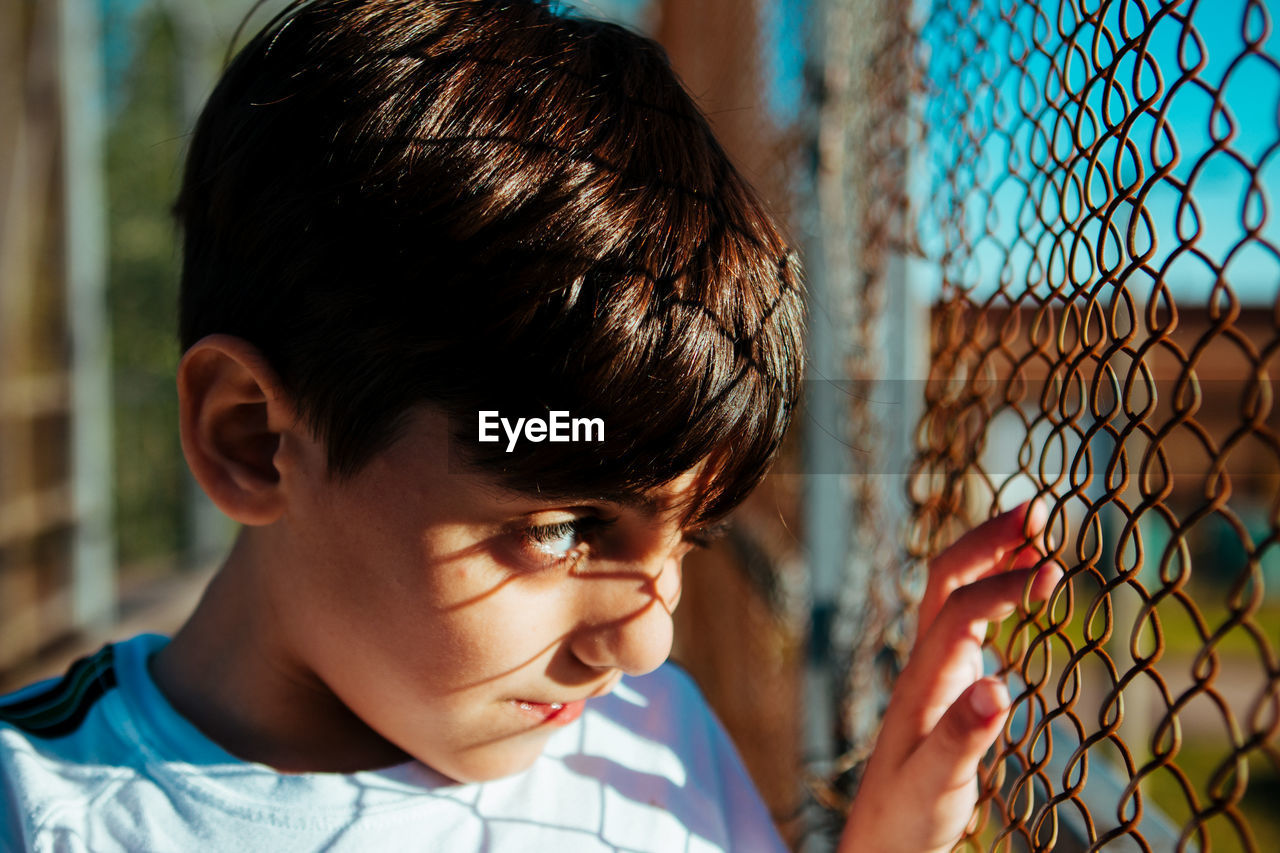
(491, 205)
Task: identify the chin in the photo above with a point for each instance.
(488, 762)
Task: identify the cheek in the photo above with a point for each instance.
(421, 614)
(486, 635)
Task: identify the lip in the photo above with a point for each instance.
(552, 713)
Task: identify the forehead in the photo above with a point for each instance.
(679, 497)
(424, 450)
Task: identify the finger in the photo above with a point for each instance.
(981, 548)
(948, 658)
(1024, 558)
(1050, 572)
(986, 549)
(947, 760)
(935, 787)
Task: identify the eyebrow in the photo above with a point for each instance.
(647, 504)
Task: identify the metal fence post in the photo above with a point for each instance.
(93, 550)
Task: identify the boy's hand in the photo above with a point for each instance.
(921, 783)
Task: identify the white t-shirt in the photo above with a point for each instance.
(100, 761)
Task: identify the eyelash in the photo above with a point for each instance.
(708, 535)
(539, 536)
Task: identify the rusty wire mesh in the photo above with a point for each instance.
(1095, 200)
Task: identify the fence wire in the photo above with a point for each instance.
(1095, 202)
(867, 129)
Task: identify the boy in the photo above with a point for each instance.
(406, 221)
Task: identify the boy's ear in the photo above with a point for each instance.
(233, 414)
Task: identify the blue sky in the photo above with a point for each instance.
(629, 12)
(1226, 205)
(784, 20)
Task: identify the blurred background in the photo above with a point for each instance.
(1040, 263)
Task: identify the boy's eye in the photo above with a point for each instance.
(556, 540)
(560, 541)
(706, 536)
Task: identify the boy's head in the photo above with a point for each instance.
(401, 213)
(491, 206)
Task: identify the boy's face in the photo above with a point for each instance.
(463, 623)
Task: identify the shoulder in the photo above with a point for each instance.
(85, 701)
(58, 744)
(667, 707)
(58, 706)
(668, 687)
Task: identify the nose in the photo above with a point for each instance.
(626, 616)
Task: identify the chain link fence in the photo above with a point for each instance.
(1091, 204)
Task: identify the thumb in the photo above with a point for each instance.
(948, 757)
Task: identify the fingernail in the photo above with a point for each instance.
(1045, 580)
(1037, 514)
(1022, 509)
(989, 698)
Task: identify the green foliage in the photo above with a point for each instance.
(144, 150)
